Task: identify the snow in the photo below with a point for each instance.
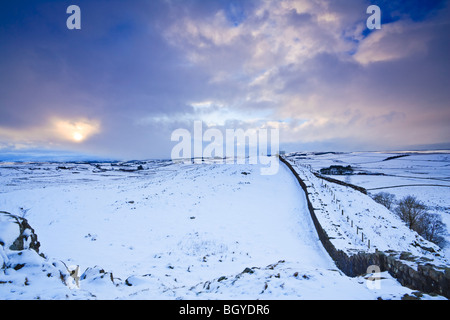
(425, 175)
(8, 231)
(174, 231)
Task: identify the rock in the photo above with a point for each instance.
(248, 270)
(138, 280)
(407, 256)
(97, 274)
(409, 297)
(20, 235)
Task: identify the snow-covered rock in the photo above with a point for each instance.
(16, 233)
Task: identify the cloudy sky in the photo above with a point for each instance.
(137, 70)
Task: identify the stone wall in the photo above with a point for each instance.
(412, 273)
(342, 183)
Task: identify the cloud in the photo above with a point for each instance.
(394, 41)
(54, 132)
(136, 72)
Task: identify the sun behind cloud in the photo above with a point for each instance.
(75, 130)
(78, 137)
(54, 131)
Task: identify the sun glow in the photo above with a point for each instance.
(76, 131)
(77, 136)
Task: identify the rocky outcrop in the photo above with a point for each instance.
(22, 266)
(16, 236)
(25, 238)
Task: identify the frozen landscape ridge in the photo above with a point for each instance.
(159, 230)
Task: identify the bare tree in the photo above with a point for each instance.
(411, 210)
(416, 216)
(433, 229)
(385, 198)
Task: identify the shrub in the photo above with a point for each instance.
(410, 210)
(433, 229)
(384, 198)
(416, 216)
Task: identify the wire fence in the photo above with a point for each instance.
(359, 232)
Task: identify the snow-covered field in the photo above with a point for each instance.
(425, 175)
(169, 231)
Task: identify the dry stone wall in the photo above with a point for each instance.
(410, 271)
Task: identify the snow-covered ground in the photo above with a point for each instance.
(425, 175)
(169, 231)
